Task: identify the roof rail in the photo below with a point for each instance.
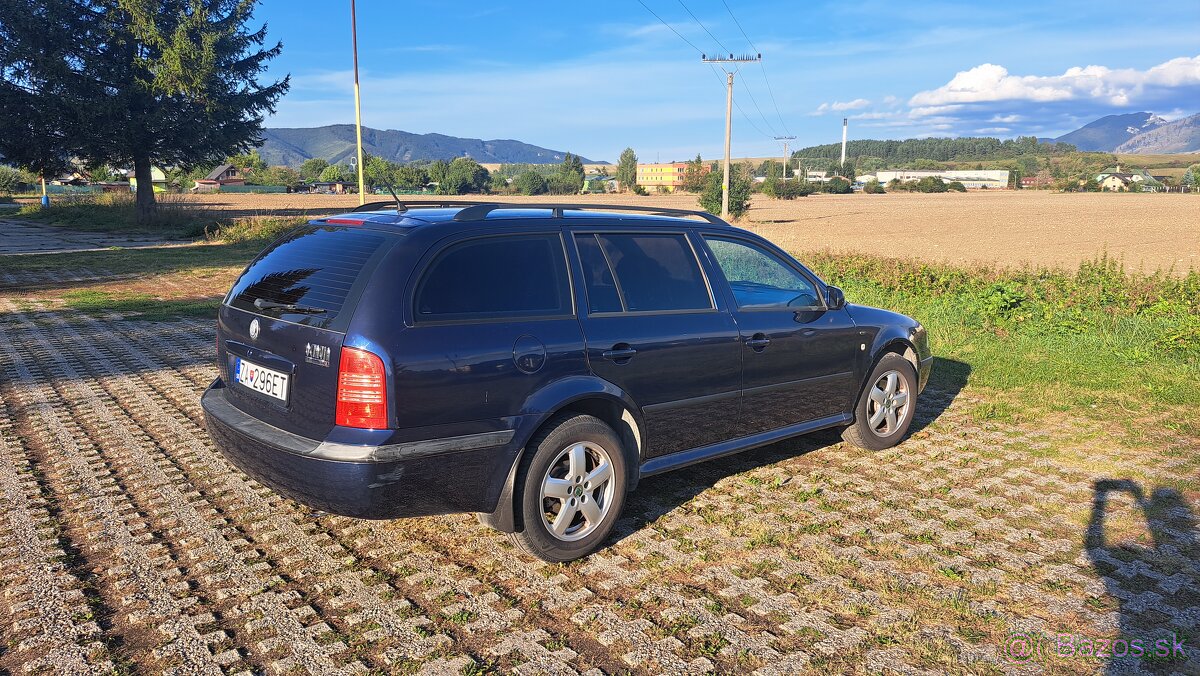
(403, 206)
(479, 211)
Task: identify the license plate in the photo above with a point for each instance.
(261, 379)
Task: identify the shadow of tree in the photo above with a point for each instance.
(1157, 588)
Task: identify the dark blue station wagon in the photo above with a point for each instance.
(532, 362)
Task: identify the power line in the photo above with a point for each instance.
(739, 106)
(715, 39)
(761, 65)
(660, 19)
(755, 102)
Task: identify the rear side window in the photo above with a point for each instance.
(496, 277)
(651, 273)
(307, 276)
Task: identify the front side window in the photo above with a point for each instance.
(642, 273)
(496, 277)
(758, 278)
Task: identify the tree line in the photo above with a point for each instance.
(937, 149)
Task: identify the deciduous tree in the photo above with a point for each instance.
(627, 169)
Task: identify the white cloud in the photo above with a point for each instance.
(1120, 87)
(839, 106)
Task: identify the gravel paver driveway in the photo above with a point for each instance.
(129, 544)
(26, 237)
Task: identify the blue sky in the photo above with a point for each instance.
(593, 78)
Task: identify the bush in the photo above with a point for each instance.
(253, 229)
(930, 184)
(956, 186)
(838, 186)
(562, 184)
(639, 189)
(14, 180)
(739, 194)
(529, 183)
(873, 187)
(791, 189)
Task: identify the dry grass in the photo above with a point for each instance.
(1004, 228)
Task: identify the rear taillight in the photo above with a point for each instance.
(361, 391)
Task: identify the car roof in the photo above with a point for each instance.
(517, 213)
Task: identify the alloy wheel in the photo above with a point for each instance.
(577, 491)
(888, 404)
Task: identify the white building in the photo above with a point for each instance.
(971, 178)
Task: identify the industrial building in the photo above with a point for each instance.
(970, 178)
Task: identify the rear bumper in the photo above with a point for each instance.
(435, 476)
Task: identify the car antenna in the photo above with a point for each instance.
(399, 207)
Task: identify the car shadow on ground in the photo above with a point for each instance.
(659, 495)
(1155, 586)
(946, 381)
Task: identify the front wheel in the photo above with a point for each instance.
(885, 409)
(572, 483)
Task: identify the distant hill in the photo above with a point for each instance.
(1180, 136)
(336, 143)
(1107, 133)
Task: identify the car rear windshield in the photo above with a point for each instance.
(306, 276)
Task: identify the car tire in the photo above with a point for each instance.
(571, 483)
(885, 408)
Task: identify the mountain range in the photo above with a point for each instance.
(1144, 133)
(336, 144)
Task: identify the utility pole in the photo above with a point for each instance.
(786, 158)
(744, 58)
(362, 197)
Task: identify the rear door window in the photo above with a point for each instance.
(649, 273)
(503, 276)
(308, 275)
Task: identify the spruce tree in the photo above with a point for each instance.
(133, 83)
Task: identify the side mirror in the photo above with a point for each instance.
(834, 298)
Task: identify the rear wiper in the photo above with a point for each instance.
(263, 304)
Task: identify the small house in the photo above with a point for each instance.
(158, 180)
(224, 175)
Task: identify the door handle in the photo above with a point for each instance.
(620, 353)
(758, 342)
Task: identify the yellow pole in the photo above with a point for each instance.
(362, 197)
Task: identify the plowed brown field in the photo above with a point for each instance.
(1008, 228)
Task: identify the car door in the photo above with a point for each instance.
(798, 356)
(654, 328)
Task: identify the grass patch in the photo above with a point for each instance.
(141, 306)
(175, 217)
(1062, 340)
(117, 213)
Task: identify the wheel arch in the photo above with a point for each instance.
(580, 395)
(885, 345)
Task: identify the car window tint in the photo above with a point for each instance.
(597, 276)
(312, 267)
(505, 276)
(758, 278)
(656, 272)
